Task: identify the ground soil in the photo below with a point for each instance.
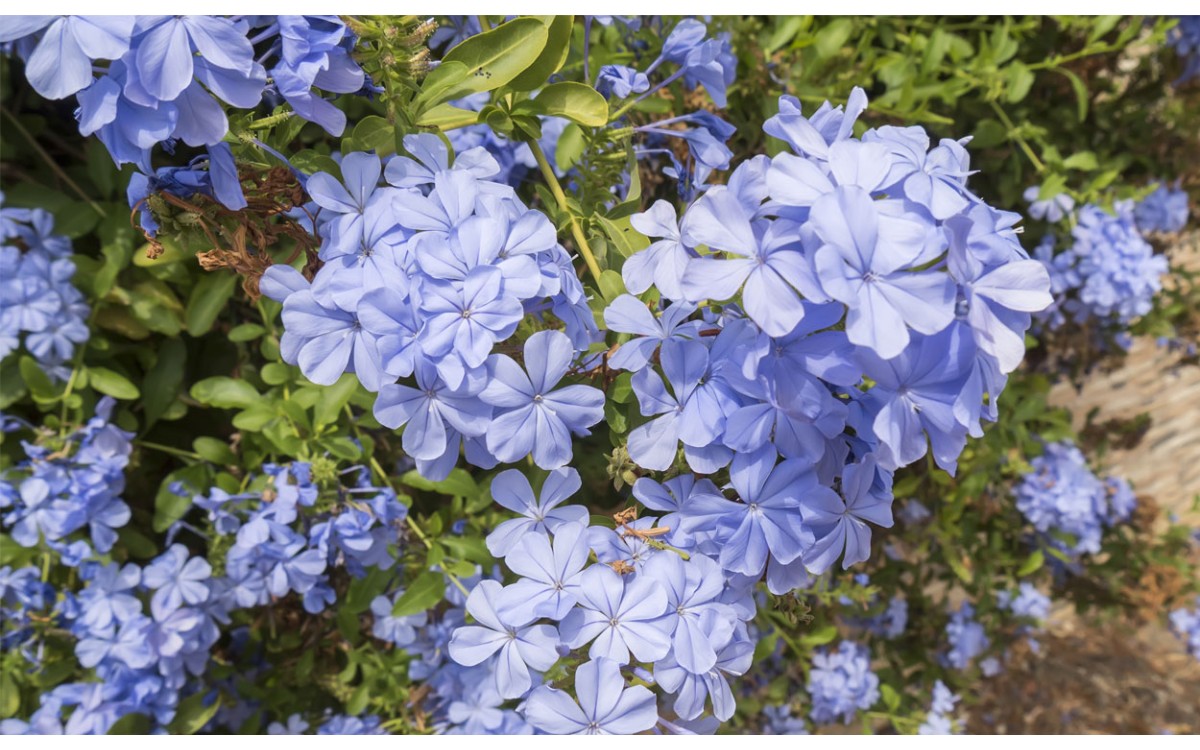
(1093, 678)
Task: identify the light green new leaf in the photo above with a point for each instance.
(577, 102)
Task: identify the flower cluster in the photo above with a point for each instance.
(940, 719)
(1061, 496)
(146, 631)
(54, 494)
(739, 390)
(1164, 210)
(1027, 602)
(163, 79)
(641, 602)
(841, 683)
(968, 639)
(37, 298)
(422, 280)
(1186, 624)
(1110, 274)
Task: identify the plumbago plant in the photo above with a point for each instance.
(387, 374)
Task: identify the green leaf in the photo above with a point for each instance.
(192, 714)
(225, 393)
(611, 285)
(131, 724)
(831, 38)
(786, 29)
(246, 332)
(1020, 80)
(334, 400)
(342, 447)
(169, 507)
(164, 381)
(363, 590)
(554, 54)
(1081, 93)
(1032, 563)
(440, 80)
(626, 239)
(494, 58)
(1084, 160)
(891, 698)
(374, 133)
(12, 383)
(446, 117)
(958, 565)
(359, 699)
(208, 299)
(569, 148)
(214, 451)
(989, 133)
(275, 373)
(423, 593)
(820, 636)
(10, 698)
(576, 102)
(36, 380)
(112, 383)
(254, 418)
(1103, 25)
(458, 484)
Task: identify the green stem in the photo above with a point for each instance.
(483, 23)
(1012, 132)
(168, 449)
(54, 165)
(576, 231)
(408, 519)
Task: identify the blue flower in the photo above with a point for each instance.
(663, 262)
(769, 260)
(605, 705)
(551, 574)
(627, 314)
(693, 690)
(108, 598)
(1164, 210)
(61, 63)
(176, 579)
(519, 645)
(541, 514)
(400, 631)
(428, 411)
(620, 81)
(697, 623)
(532, 416)
(968, 639)
(1052, 208)
(167, 47)
(1186, 624)
(841, 524)
(841, 683)
(618, 617)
